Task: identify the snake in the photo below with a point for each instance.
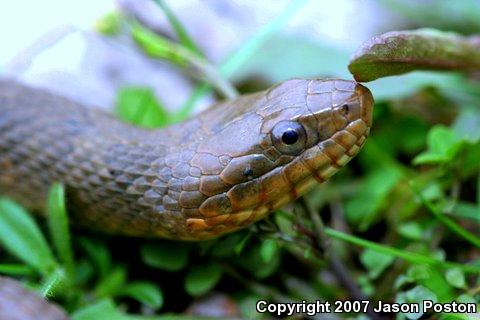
(219, 171)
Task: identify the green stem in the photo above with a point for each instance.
(411, 257)
(180, 31)
(248, 49)
(449, 223)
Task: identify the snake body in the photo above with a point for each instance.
(225, 168)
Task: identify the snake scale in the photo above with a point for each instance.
(217, 172)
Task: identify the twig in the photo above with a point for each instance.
(256, 287)
(335, 263)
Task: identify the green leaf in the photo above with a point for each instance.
(110, 24)
(169, 256)
(467, 210)
(443, 146)
(419, 294)
(409, 256)
(20, 235)
(103, 309)
(160, 47)
(58, 226)
(145, 292)
(242, 55)
(202, 278)
(106, 309)
(110, 285)
(456, 278)
(268, 250)
(253, 261)
(139, 106)
(372, 195)
(98, 253)
(16, 270)
(400, 52)
(433, 279)
(411, 230)
(53, 283)
(180, 31)
(375, 262)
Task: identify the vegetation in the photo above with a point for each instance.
(400, 223)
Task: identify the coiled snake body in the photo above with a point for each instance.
(215, 173)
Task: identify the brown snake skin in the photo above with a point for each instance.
(224, 169)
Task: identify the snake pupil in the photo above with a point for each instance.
(290, 136)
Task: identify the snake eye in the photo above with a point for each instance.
(289, 137)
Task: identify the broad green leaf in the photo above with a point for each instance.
(169, 256)
(375, 262)
(100, 310)
(58, 226)
(400, 52)
(411, 230)
(201, 279)
(145, 292)
(139, 106)
(443, 145)
(419, 294)
(20, 235)
(431, 278)
(372, 194)
(253, 261)
(268, 250)
(229, 245)
(456, 278)
(111, 284)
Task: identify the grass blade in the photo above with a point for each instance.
(20, 235)
(16, 270)
(180, 31)
(411, 257)
(160, 47)
(449, 223)
(58, 227)
(52, 283)
(247, 50)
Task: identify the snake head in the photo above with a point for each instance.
(282, 143)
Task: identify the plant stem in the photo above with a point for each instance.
(449, 223)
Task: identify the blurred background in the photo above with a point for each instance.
(419, 168)
(56, 44)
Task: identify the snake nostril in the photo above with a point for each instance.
(345, 109)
